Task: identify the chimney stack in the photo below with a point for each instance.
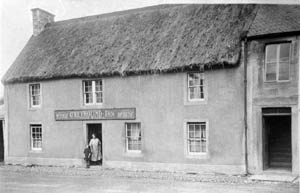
(40, 19)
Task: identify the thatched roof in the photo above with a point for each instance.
(162, 38)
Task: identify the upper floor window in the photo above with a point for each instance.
(195, 86)
(92, 92)
(133, 137)
(196, 132)
(277, 62)
(35, 95)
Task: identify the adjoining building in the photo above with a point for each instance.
(1, 130)
(203, 88)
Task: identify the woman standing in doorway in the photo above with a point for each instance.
(95, 145)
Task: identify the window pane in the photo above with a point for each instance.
(191, 131)
(98, 84)
(284, 51)
(35, 100)
(197, 131)
(35, 89)
(191, 79)
(197, 79)
(195, 146)
(201, 93)
(195, 84)
(133, 136)
(201, 82)
(128, 132)
(35, 94)
(284, 71)
(36, 136)
(130, 146)
(197, 137)
(271, 51)
(197, 92)
(203, 146)
(88, 86)
(270, 71)
(88, 98)
(99, 97)
(203, 132)
(192, 93)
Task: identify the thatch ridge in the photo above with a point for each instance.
(159, 39)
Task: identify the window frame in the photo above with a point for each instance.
(277, 61)
(188, 138)
(203, 87)
(126, 138)
(31, 126)
(93, 92)
(31, 105)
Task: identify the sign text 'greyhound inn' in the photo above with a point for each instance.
(95, 114)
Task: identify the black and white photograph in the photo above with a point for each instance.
(149, 96)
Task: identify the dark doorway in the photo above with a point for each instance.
(277, 141)
(97, 130)
(1, 142)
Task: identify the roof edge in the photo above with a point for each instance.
(272, 35)
(188, 68)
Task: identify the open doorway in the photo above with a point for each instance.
(97, 130)
(277, 152)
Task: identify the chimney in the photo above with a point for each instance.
(40, 19)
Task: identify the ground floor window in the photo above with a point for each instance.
(196, 137)
(133, 137)
(36, 137)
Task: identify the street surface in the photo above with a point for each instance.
(30, 181)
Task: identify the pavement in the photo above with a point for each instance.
(14, 179)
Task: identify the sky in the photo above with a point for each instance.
(16, 20)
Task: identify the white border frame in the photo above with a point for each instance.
(186, 90)
(277, 62)
(93, 92)
(31, 148)
(188, 87)
(200, 155)
(126, 141)
(30, 106)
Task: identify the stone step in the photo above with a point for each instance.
(281, 149)
(280, 159)
(280, 154)
(280, 164)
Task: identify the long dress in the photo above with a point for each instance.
(95, 146)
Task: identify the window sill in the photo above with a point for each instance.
(34, 108)
(196, 102)
(133, 154)
(277, 81)
(90, 106)
(36, 151)
(197, 156)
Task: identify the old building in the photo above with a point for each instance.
(2, 122)
(273, 89)
(167, 87)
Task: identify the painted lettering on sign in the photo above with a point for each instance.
(95, 114)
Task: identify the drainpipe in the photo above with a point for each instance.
(298, 103)
(245, 104)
